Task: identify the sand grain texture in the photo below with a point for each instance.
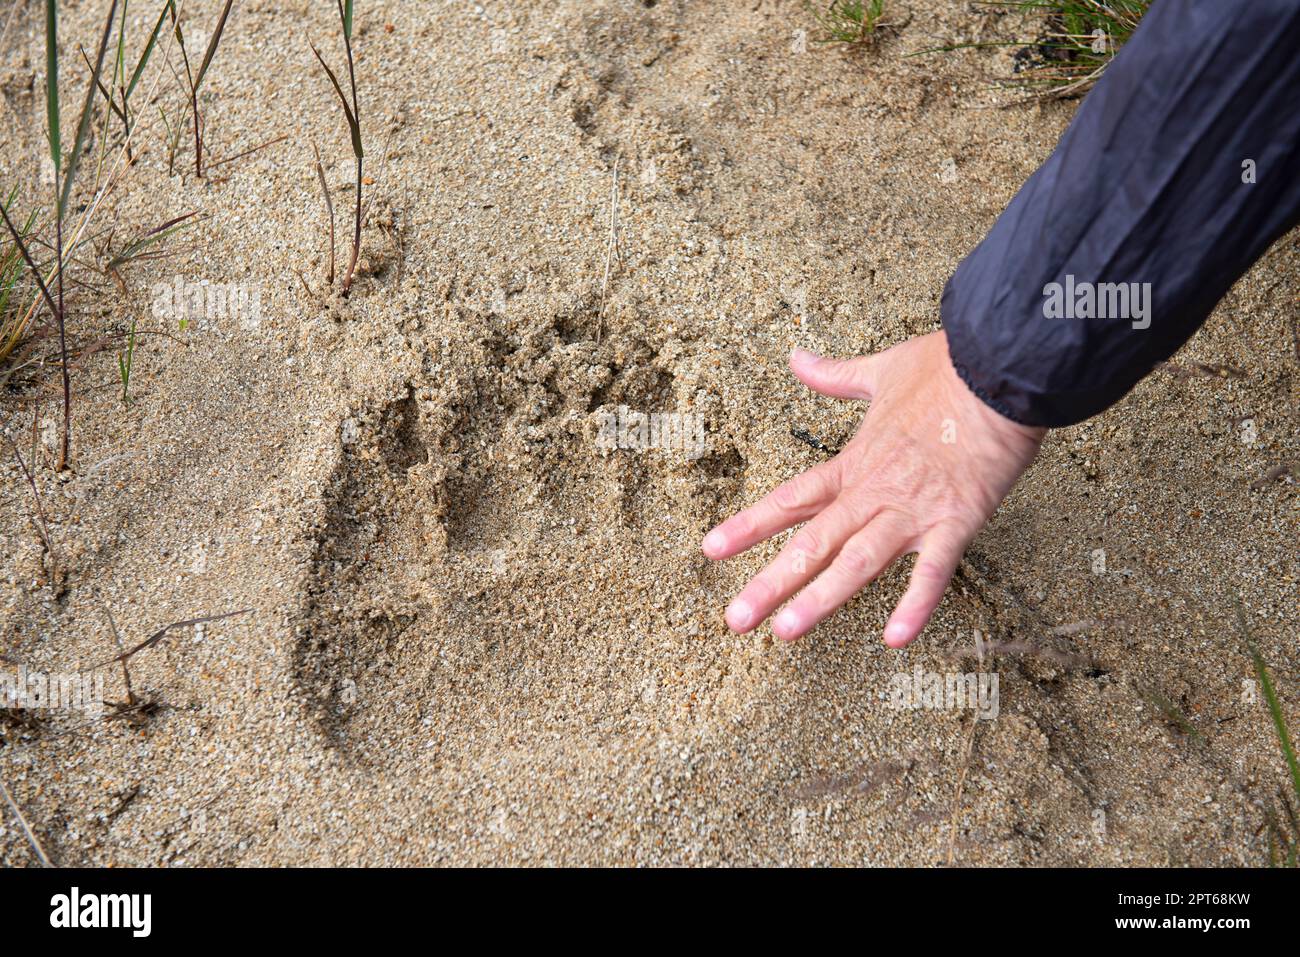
(477, 638)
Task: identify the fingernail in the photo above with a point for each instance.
(714, 542)
(896, 634)
(804, 355)
(739, 613)
(786, 624)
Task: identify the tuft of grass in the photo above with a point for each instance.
(56, 310)
(1283, 828)
(352, 113)
(1078, 40)
(138, 248)
(64, 178)
(111, 79)
(849, 21)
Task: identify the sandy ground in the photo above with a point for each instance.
(474, 636)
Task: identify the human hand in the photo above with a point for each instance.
(928, 467)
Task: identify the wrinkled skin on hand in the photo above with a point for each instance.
(929, 465)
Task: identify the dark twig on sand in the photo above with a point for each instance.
(810, 440)
(26, 828)
(161, 633)
(42, 525)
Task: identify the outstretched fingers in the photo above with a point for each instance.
(859, 562)
(785, 506)
(941, 551)
(807, 552)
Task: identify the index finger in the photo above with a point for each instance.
(790, 503)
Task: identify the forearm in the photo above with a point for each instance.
(1147, 196)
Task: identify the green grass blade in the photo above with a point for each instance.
(119, 62)
(148, 47)
(87, 109)
(353, 126)
(1270, 696)
(1279, 724)
(52, 81)
(212, 45)
(345, 12)
(124, 364)
(1275, 712)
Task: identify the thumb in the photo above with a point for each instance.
(837, 378)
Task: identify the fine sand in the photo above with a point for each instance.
(475, 636)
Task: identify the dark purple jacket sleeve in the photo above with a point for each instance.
(1149, 192)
